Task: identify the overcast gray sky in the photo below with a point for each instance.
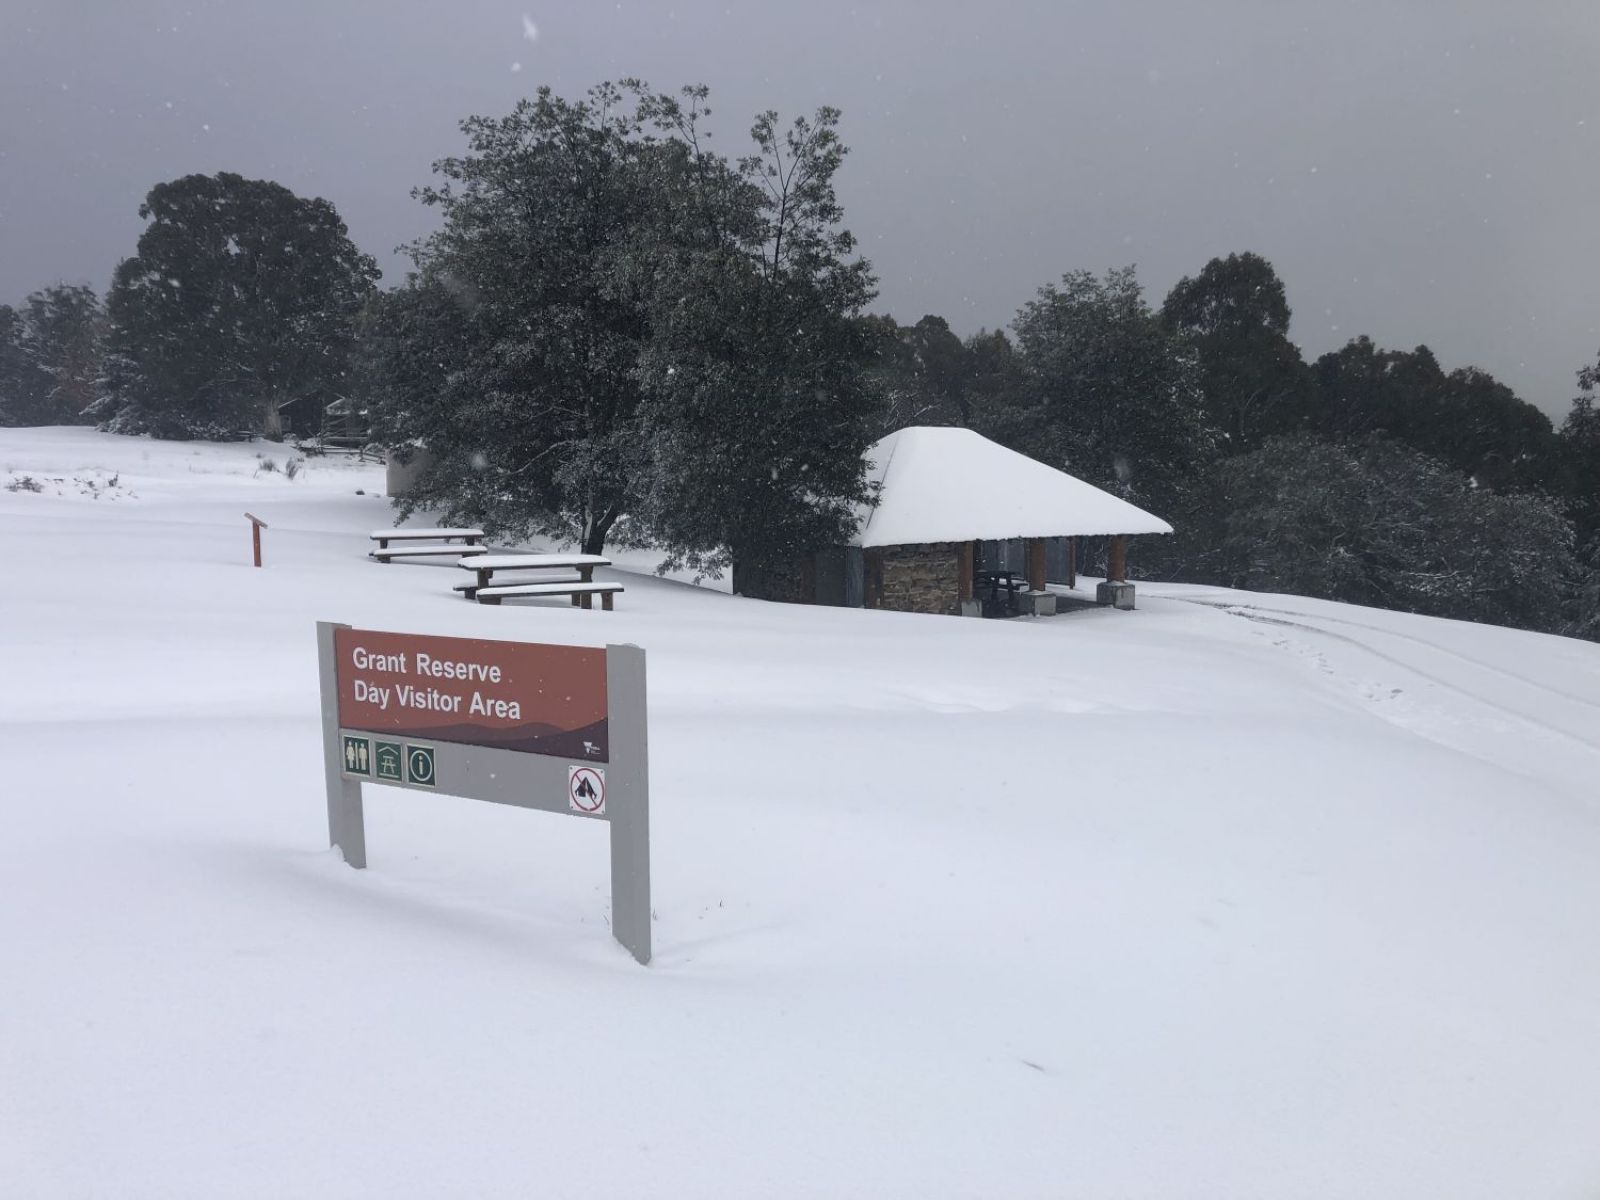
(1423, 172)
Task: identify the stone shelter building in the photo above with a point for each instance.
(949, 495)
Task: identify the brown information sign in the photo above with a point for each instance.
(523, 696)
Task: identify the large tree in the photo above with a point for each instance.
(1236, 314)
(1464, 417)
(1487, 431)
(20, 381)
(521, 314)
(1374, 522)
(1580, 446)
(760, 403)
(924, 371)
(237, 312)
(1579, 443)
(627, 334)
(1105, 392)
(50, 356)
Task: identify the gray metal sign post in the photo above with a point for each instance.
(607, 779)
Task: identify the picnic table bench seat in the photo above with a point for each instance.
(581, 593)
(457, 542)
(531, 562)
(430, 552)
(416, 533)
(470, 590)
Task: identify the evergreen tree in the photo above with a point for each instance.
(1580, 447)
(760, 403)
(1236, 315)
(1585, 602)
(50, 356)
(627, 334)
(1106, 393)
(1466, 418)
(22, 384)
(1374, 522)
(1485, 430)
(237, 313)
(1362, 389)
(994, 380)
(512, 354)
(924, 372)
(65, 339)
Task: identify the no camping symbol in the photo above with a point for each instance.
(586, 790)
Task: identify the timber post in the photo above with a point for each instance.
(1117, 560)
(256, 526)
(1033, 553)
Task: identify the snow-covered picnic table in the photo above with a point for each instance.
(470, 543)
(576, 578)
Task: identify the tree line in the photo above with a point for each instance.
(618, 335)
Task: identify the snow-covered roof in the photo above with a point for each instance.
(954, 485)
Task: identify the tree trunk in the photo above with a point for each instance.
(748, 578)
(595, 532)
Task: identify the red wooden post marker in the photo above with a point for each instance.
(256, 526)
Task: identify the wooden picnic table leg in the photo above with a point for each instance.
(605, 601)
(588, 599)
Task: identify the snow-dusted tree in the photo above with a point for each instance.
(1374, 522)
(236, 314)
(1580, 447)
(1580, 450)
(1105, 392)
(924, 371)
(759, 402)
(65, 339)
(1236, 315)
(20, 381)
(50, 356)
(620, 324)
(512, 352)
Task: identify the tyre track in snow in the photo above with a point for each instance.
(1539, 722)
(1392, 633)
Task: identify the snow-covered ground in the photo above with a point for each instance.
(1233, 896)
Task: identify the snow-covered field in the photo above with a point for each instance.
(1233, 896)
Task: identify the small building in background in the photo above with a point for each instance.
(954, 511)
(402, 472)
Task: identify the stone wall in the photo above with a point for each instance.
(923, 578)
